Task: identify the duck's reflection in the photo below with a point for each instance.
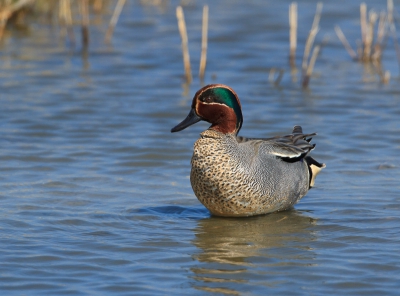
(236, 253)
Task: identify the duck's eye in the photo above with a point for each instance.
(207, 100)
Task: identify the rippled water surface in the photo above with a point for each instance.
(94, 189)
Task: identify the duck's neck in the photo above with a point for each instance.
(226, 124)
(222, 118)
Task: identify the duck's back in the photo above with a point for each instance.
(234, 177)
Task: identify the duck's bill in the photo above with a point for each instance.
(192, 118)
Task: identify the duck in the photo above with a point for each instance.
(235, 176)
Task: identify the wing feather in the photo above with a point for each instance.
(290, 147)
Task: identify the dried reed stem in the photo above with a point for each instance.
(314, 55)
(66, 18)
(85, 22)
(390, 8)
(383, 76)
(345, 43)
(381, 27)
(311, 36)
(8, 10)
(185, 49)
(97, 5)
(317, 15)
(114, 20)
(279, 78)
(377, 55)
(69, 22)
(307, 49)
(359, 50)
(271, 76)
(369, 36)
(203, 58)
(363, 22)
(396, 45)
(293, 33)
(62, 18)
(386, 77)
(310, 67)
(5, 15)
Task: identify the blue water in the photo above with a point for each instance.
(94, 189)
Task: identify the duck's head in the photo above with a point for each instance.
(217, 104)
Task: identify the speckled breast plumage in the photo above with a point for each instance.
(244, 179)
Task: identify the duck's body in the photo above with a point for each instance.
(236, 176)
(233, 178)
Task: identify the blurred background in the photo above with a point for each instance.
(94, 189)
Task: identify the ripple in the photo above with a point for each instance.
(175, 211)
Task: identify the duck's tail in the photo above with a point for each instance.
(314, 167)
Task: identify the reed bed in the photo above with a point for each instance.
(372, 46)
(66, 13)
(376, 29)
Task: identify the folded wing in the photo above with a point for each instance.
(290, 148)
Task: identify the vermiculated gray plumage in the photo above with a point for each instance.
(237, 176)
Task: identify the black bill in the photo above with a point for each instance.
(192, 118)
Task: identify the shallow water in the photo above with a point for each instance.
(95, 192)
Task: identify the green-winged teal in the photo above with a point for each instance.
(237, 176)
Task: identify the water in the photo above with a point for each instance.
(95, 192)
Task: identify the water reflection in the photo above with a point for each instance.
(237, 252)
